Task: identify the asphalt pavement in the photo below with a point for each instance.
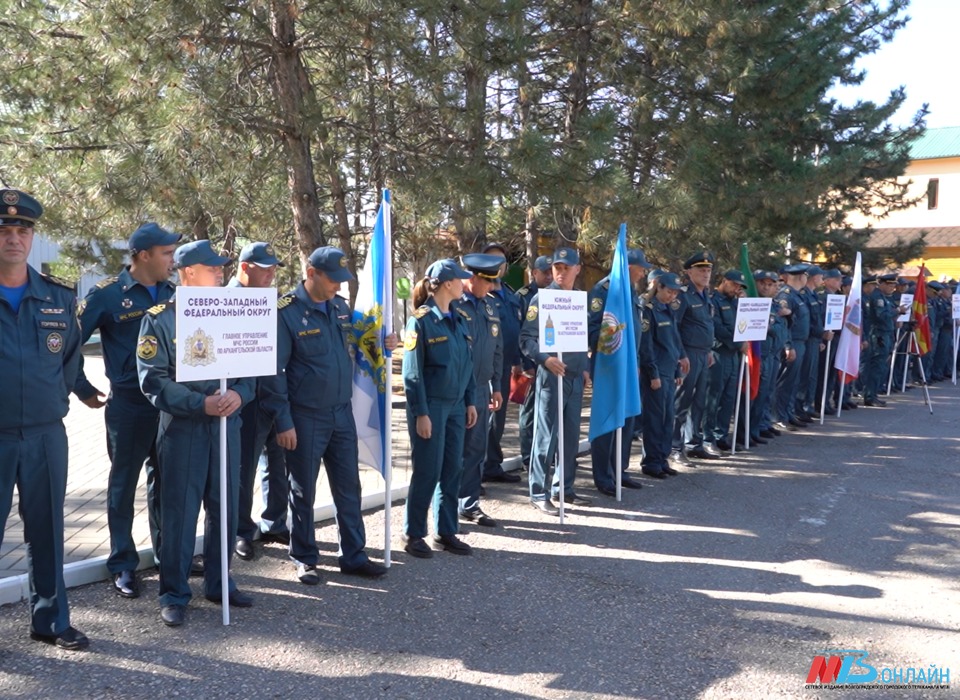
(722, 582)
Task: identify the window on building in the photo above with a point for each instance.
(933, 192)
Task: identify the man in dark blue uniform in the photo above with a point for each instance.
(257, 268)
(116, 307)
(722, 391)
(693, 314)
(507, 306)
(798, 320)
(544, 481)
(603, 447)
(39, 360)
(541, 276)
(188, 442)
(831, 285)
(309, 399)
(807, 384)
(882, 313)
(771, 355)
(487, 353)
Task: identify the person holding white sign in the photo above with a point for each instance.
(188, 442)
(310, 400)
(440, 387)
(661, 355)
(831, 285)
(722, 390)
(544, 483)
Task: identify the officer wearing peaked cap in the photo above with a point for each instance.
(541, 276)
(603, 447)
(116, 307)
(771, 356)
(310, 401)
(508, 307)
(694, 318)
(257, 268)
(486, 345)
(798, 320)
(39, 360)
(187, 444)
(722, 390)
(881, 315)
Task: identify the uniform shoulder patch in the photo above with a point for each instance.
(422, 311)
(284, 301)
(596, 304)
(155, 310)
(644, 324)
(675, 304)
(523, 291)
(606, 283)
(532, 313)
(60, 282)
(106, 282)
(410, 341)
(147, 347)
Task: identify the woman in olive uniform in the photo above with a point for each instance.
(439, 385)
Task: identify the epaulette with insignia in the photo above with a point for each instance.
(155, 310)
(59, 282)
(284, 301)
(606, 283)
(422, 311)
(461, 312)
(523, 291)
(649, 305)
(683, 288)
(106, 282)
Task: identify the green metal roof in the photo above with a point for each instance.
(937, 143)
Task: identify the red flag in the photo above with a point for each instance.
(922, 327)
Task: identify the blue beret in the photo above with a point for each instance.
(150, 235)
(701, 259)
(832, 274)
(484, 265)
(260, 254)
(543, 263)
(635, 256)
(197, 253)
(566, 255)
(446, 270)
(795, 269)
(669, 280)
(735, 276)
(814, 270)
(332, 262)
(19, 209)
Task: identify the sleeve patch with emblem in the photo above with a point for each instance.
(147, 347)
(532, 313)
(410, 341)
(596, 304)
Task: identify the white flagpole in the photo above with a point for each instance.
(746, 410)
(619, 445)
(956, 337)
(893, 359)
(224, 523)
(388, 392)
(826, 377)
(843, 389)
(736, 412)
(559, 438)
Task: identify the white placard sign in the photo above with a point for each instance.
(956, 306)
(753, 317)
(226, 332)
(563, 320)
(834, 316)
(905, 300)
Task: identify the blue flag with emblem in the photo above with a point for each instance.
(372, 322)
(615, 377)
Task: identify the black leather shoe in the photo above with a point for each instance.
(196, 566)
(546, 506)
(678, 457)
(453, 544)
(655, 475)
(607, 490)
(575, 500)
(244, 548)
(768, 434)
(126, 584)
(70, 639)
(416, 547)
(758, 441)
(504, 477)
(848, 405)
(874, 402)
(307, 574)
(478, 517)
(784, 427)
(796, 423)
(804, 418)
(238, 599)
(723, 445)
(173, 615)
(278, 537)
(628, 483)
(367, 569)
(669, 471)
(704, 452)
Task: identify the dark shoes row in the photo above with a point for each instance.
(417, 546)
(244, 547)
